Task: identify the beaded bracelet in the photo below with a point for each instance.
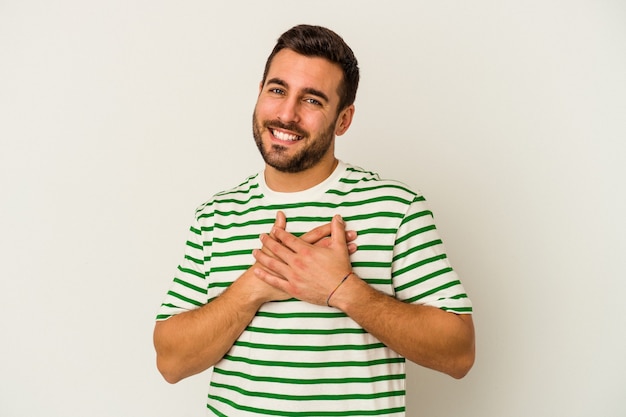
(338, 285)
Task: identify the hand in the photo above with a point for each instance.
(319, 236)
(256, 287)
(307, 271)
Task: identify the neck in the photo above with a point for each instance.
(287, 182)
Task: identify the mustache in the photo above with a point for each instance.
(293, 127)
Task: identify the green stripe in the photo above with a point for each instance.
(315, 381)
(417, 248)
(416, 216)
(219, 284)
(190, 271)
(230, 268)
(319, 397)
(369, 216)
(305, 331)
(245, 224)
(214, 411)
(457, 309)
(307, 315)
(232, 253)
(236, 201)
(373, 175)
(314, 364)
(419, 264)
(319, 219)
(372, 264)
(378, 281)
(377, 230)
(310, 348)
(194, 260)
(376, 247)
(434, 290)
(308, 204)
(327, 219)
(190, 286)
(422, 279)
(235, 238)
(415, 233)
(302, 413)
(246, 183)
(183, 298)
(366, 189)
(193, 245)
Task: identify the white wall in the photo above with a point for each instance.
(118, 117)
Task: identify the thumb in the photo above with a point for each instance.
(281, 220)
(338, 230)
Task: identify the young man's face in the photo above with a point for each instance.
(295, 118)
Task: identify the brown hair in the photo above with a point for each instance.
(321, 42)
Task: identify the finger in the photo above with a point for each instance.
(281, 220)
(271, 264)
(315, 235)
(276, 245)
(319, 233)
(288, 243)
(338, 230)
(273, 280)
(352, 248)
(350, 235)
(281, 223)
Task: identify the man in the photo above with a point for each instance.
(307, 285)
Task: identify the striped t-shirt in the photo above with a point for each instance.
(299, 359)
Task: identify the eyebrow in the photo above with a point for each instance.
(307, 90)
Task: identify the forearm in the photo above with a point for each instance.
(428, 336)
(192, 342)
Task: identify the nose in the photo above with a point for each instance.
(288, 110)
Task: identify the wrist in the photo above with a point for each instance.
(352, 291)
(246, 291)
(337, 287)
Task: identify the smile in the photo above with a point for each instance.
(285, 136)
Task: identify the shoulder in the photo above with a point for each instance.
(241, 194)
(358, 179)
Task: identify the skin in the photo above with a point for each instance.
(301, 92)
(299, 97)
(191, 342)
(425, 335)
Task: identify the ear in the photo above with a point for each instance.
(344, 120)
(260, 86)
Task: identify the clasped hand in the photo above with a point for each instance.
(308, 267)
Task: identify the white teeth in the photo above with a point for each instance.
(285, 136)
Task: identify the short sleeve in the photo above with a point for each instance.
(421, 270)
(189, 287)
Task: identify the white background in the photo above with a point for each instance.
(119, 117)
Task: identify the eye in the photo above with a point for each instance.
(313, 101)
(277, 90)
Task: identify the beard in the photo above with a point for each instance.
(277, 155)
